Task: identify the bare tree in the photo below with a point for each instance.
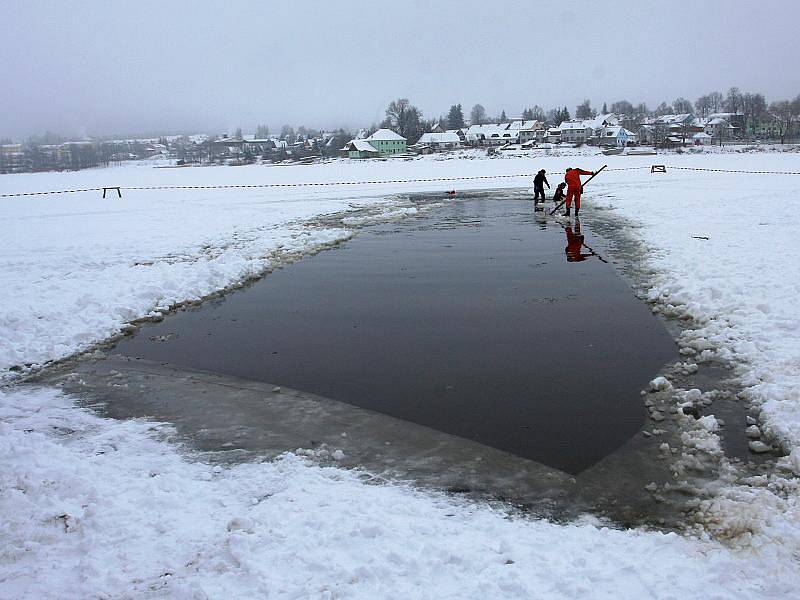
(682, 106)
(477, 115)
(733, 101)
(405, 119)
(663, 109)
(714, 101)
(622, 107)
(753, 108)
(702, 106)
(784, 113)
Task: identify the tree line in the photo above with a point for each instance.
(407, 120)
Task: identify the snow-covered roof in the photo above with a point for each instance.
(439, 138)
(385, 135)
(360, 145)
(601, 120)
(573, 125)
(529, 125)
(670, 119)
(716, 121)
(701, 136)
(491, 130)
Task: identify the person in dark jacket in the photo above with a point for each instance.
(559, 195)
(538, 187)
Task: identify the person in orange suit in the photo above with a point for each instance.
(574, 188)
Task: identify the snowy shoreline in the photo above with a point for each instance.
(157, 251)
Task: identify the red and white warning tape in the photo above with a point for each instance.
(368, 182)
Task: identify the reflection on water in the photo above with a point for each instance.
(466, 319)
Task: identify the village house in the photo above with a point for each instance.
(719, 128)
(553, 135)
(598, 123)
(360, 149)
(576, 132)
(702, 139)
(12, 158)
(383, 142)
(387, 142)
(440, 141)
(461, 133)
(491, 134)
(526, 130)
(616, 136)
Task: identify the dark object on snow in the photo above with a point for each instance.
(691, 410)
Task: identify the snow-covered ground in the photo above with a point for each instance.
(92, 506)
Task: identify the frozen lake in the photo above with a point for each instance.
(469, 319)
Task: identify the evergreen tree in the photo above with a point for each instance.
(503, 117)
(527, 114)
(455, 118)
(585, 111)
(262, 132)
(605, 109)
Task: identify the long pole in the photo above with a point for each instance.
(596, 173)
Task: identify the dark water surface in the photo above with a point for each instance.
(468, 319)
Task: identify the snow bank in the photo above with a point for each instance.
(101, 508)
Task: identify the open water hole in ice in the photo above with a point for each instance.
(481, 319)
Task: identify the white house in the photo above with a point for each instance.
(492, 134)
(616, 135)
(718, 128)
(702, 139)
(526, 130)
(577, 132)
(598, 123)
(553, 135)
(461, 133)
(446, 140)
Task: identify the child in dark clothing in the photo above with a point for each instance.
(559, 194)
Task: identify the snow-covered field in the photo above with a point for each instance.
(98, 507)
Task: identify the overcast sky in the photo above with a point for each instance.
(144, 66)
